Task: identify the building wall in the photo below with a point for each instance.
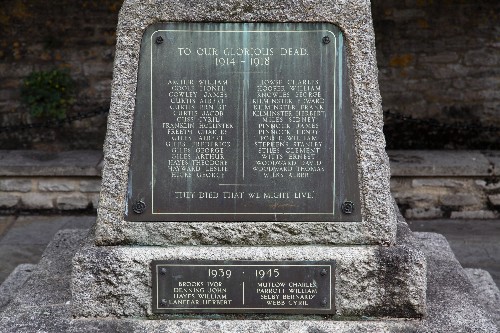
(439, 62)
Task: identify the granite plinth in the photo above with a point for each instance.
(45, 306)
(370, 280)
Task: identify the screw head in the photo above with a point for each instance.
(139, 207)
(163, 271)
(323, 272)
(326, 40)
(324, 302)
(159, 40)
(163, 302)
(347, 207)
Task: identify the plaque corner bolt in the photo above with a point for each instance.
(139, 207)
(347, 207)
(323, 272)
(163, 302)
(163, 271)
(324, 302)
(159, 40)
(326, 40)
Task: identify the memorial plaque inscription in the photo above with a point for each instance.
(242, 122)
(243, 287)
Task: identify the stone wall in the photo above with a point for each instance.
(438, 60)
(49, 193)
(446, 184)
(425, 184)
(42, 35)
(48, 182)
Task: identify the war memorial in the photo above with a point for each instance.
(246, 187)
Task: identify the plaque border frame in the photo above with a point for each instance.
(330, 310)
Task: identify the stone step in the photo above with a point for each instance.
(41, 304)
(10, 287)
(486, 291)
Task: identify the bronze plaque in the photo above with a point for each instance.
(305, 287)
(243, 122)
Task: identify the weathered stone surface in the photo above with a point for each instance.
(42, 304)
(10, 287)
(494, 199)
(415, 199)
(38, 200)
(474, 214)
(27, 319)
(5, 222)
(371, 280)
(460, 199)
(447, 283)
(40, 163)
(489, 186)
(452, 306)
(456, 195)
(45, 175)
(472, 241)
(56, 185)
(90, 186)
(494, 159)
(26, 238)
(48, 284)
(438, 163)
(423, 213)
(71, 202)
(365, 285)
(15, 185)
(94, 198)
(8, 200)
(486, 291)
(442, 58)
(378, 224)
(484, 57)
(438, 182)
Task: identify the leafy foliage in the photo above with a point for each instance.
(48, 93)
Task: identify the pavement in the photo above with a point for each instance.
(476, 243)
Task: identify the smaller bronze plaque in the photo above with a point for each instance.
(206, 286)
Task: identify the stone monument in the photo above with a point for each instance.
(245, 181)
(246, 144)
